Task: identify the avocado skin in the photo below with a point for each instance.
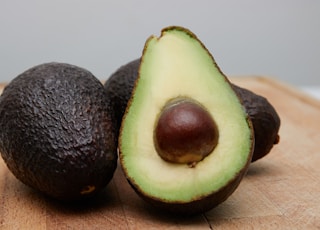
(57, 132)
(265, 120)
(119, 87)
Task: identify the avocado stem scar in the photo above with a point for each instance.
(192, 164)
(88, 189)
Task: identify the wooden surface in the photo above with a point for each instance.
(280, 191)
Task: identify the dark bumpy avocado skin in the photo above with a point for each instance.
(265, 120)
(57, 133)
(119, 87)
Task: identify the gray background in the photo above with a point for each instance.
(280, 39)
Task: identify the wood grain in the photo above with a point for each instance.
(279, 192)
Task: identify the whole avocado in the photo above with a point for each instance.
(265, 120)
(57, 131)
(119, 87)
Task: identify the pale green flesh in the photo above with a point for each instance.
(177, 65)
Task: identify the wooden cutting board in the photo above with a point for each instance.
(280, 191)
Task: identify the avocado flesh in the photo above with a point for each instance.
(178, 65)
(57, 133)
(265, 119)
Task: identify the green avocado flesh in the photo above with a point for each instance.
(174, 66)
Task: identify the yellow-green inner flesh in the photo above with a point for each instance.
(176, 65)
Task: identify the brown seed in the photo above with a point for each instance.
(185, 132)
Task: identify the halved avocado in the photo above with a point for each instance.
(265, 119)
(176, 69)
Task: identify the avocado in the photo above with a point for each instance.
(265, 120)
(119, 87)
(57, 131)
(185, 140)
(264, 117)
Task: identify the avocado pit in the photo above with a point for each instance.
(185, 132)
